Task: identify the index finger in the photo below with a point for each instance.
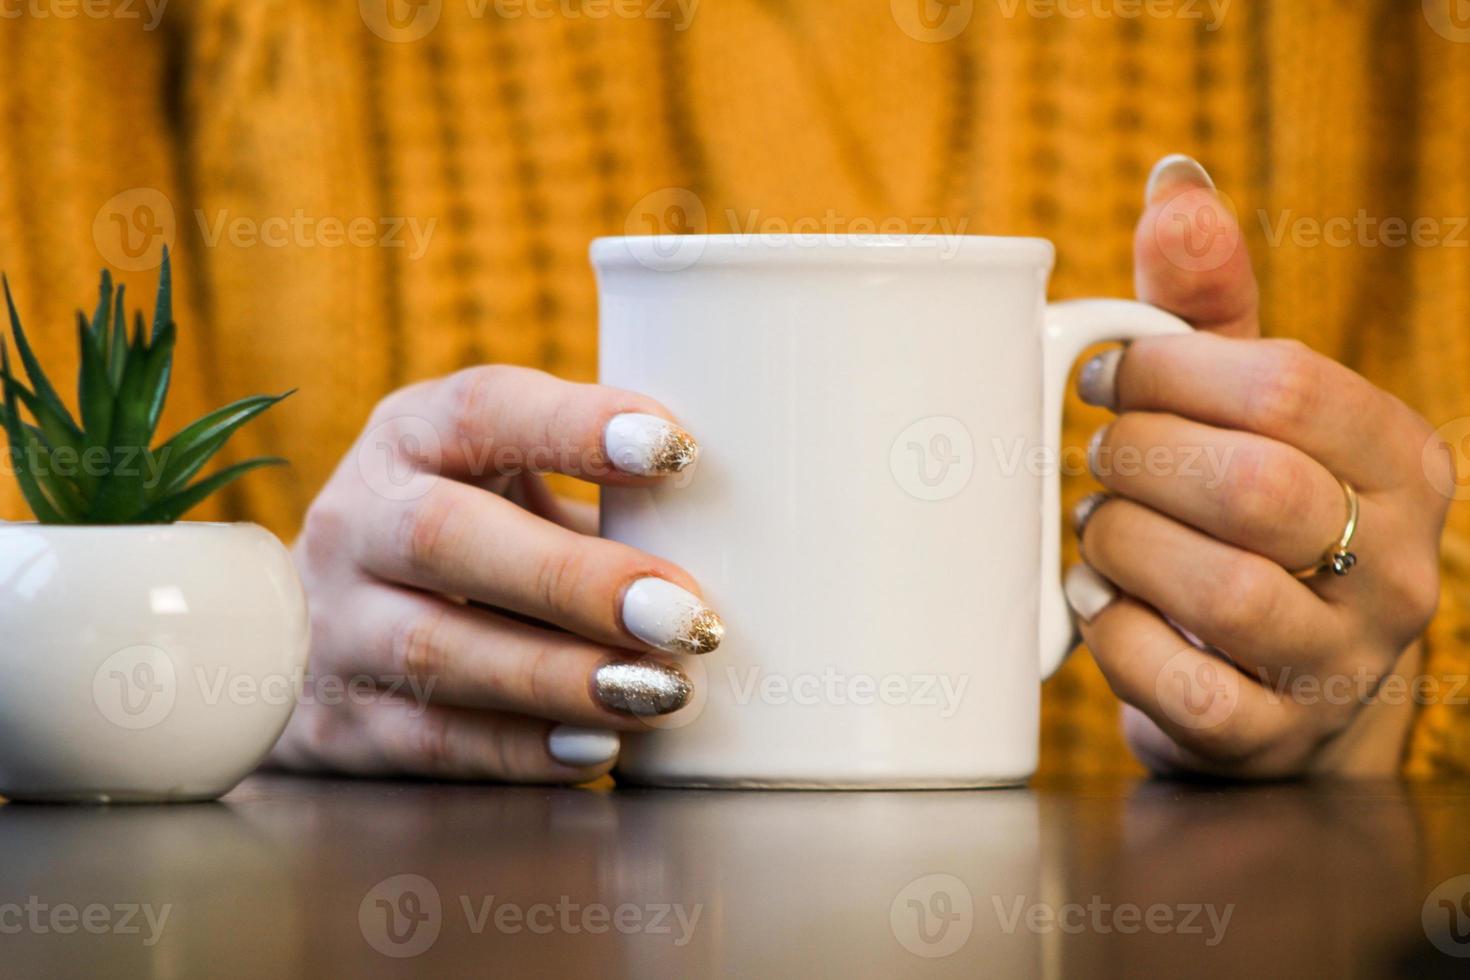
(1280, 389)
(497, 420)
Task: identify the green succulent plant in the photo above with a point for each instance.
(103, 469)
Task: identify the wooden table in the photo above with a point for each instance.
(292, 877)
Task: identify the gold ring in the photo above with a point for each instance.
(1337, 558)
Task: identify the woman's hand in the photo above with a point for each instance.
(1222, 473)
(465, 622)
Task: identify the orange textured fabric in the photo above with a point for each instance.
(484, 154)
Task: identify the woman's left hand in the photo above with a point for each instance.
(1222, 473)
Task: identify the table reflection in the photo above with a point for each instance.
(297, 877)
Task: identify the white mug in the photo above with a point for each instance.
(876, 510)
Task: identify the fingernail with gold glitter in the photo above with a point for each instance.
(642, 687)
(646, 445)
(663, 615)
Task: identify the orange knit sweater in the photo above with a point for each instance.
(358, 200)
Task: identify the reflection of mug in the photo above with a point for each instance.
(910, 884)
(876, 514)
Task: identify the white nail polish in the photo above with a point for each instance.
(646, 445)
(582, 748)
(1084, 510)
(1176, 168)
(665, 616)
(1094, 451)
(1098, 382)
(1088, 593)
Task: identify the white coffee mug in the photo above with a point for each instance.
(876, 510)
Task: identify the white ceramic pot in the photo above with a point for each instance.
(144, 663)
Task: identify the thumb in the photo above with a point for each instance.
(1189, 254)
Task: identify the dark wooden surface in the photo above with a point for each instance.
(285, 878)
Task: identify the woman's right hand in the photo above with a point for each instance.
(466, 622)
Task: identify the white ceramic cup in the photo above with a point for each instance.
(876, 510)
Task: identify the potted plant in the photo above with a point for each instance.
(145, 659)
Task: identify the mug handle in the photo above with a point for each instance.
(1068, 329)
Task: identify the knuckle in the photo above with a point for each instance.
(559, 580)
(1288, 392)
(1326, 710)
(325, 629)
(317, 733)
(1262, 489)
(1230, 744)
(1441, 469)
(1439, 466)
(1243, 599)
(1278, 756)
(431, 747)
(535, 675)
(1219, 735)
(473, 399)
(399, 428)
(1291, 751)
(560, 427)
(1423, 607)
(505, 759)
(1194, 292)
(1248, 743)
(397, 404)
(1419, 594)
(421, 531)
(517, 759)
(417, 648)
(390, 406)
(323, 530)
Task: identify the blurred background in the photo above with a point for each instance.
(359, 195)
